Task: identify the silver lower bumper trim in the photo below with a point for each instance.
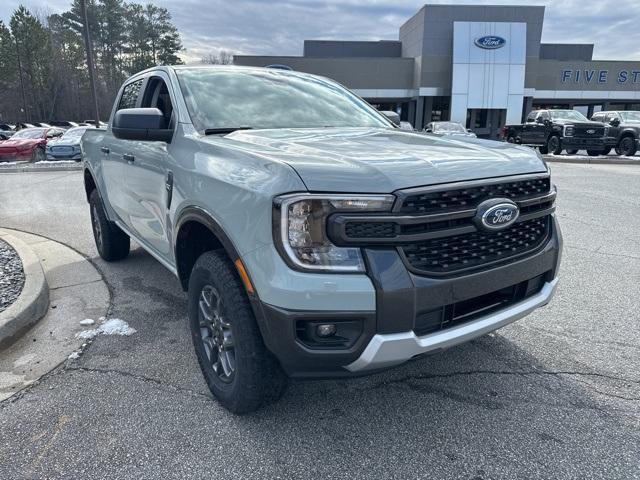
(386, 350)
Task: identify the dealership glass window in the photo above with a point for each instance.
(440, 109)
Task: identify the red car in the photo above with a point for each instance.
(28, 144)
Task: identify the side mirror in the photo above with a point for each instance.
(540, 120)
(614, 122)
(392, 116)
(146, 124)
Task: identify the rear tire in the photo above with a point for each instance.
(112, 243)
(628, 147)
(239, 370)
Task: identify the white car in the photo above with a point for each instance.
(448, 129)
(68, 146)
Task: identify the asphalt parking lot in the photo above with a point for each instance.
(556, 395)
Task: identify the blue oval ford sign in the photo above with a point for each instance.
(496, 214)
(490, 42)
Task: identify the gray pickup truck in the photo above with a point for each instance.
(312, 236)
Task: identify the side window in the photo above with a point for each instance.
(156, 95)
(545, 116)
(130, 95)
(531, 117)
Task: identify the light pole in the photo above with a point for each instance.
(87, 45)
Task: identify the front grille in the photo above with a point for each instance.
(583, 132)
(370, 229)
(477, 249)
(465, 311)
(470, 197)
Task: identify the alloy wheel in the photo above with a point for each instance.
(216, 334)
(97, 228)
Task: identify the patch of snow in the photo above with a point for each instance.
(113, 326)
(74, 355)
(87, 321)
(46, 162)
(2, 164)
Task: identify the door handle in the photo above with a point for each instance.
(104, 149)
(128, 157)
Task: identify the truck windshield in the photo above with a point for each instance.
(233, 98)
(568, 115)
(630, 116)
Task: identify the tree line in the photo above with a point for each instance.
(43, 70)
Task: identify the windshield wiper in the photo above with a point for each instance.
(214, 131)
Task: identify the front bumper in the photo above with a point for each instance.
(64, 156)
(577, 143)
(387, 335)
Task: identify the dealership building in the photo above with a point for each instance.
(483, 66)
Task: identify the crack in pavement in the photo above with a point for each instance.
(141, 378)
(522, 373)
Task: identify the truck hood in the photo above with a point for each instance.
(378, 160)
(587, 124)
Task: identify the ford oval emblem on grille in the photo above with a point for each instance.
(591, 131)
(490, 42)
(496, 214)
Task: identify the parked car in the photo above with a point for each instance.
(6, 131)
(450, 129)
(555, 130)
(623, 132)
(101, 124)
(65, 124)
(28, 144)
(319, 240)
(23, 125)
(66, 147)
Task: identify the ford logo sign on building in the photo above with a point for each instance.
(496, 214)
(490, 42)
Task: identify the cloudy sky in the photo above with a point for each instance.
(278, 27)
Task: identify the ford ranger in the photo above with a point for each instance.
(313, 237)
(555, 130)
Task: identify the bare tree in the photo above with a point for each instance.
(223, 57)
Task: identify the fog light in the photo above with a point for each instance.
(326, 330)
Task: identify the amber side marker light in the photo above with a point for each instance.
(243, 275)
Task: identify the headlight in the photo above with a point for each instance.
(300, 229)
(568, 130)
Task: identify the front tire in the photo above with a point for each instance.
(628, 147)
(239, 370)
(111, 242)
(554, 145)
(38, 155)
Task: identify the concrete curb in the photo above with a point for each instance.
(595, 161)
(45, 168)
(33, 301)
